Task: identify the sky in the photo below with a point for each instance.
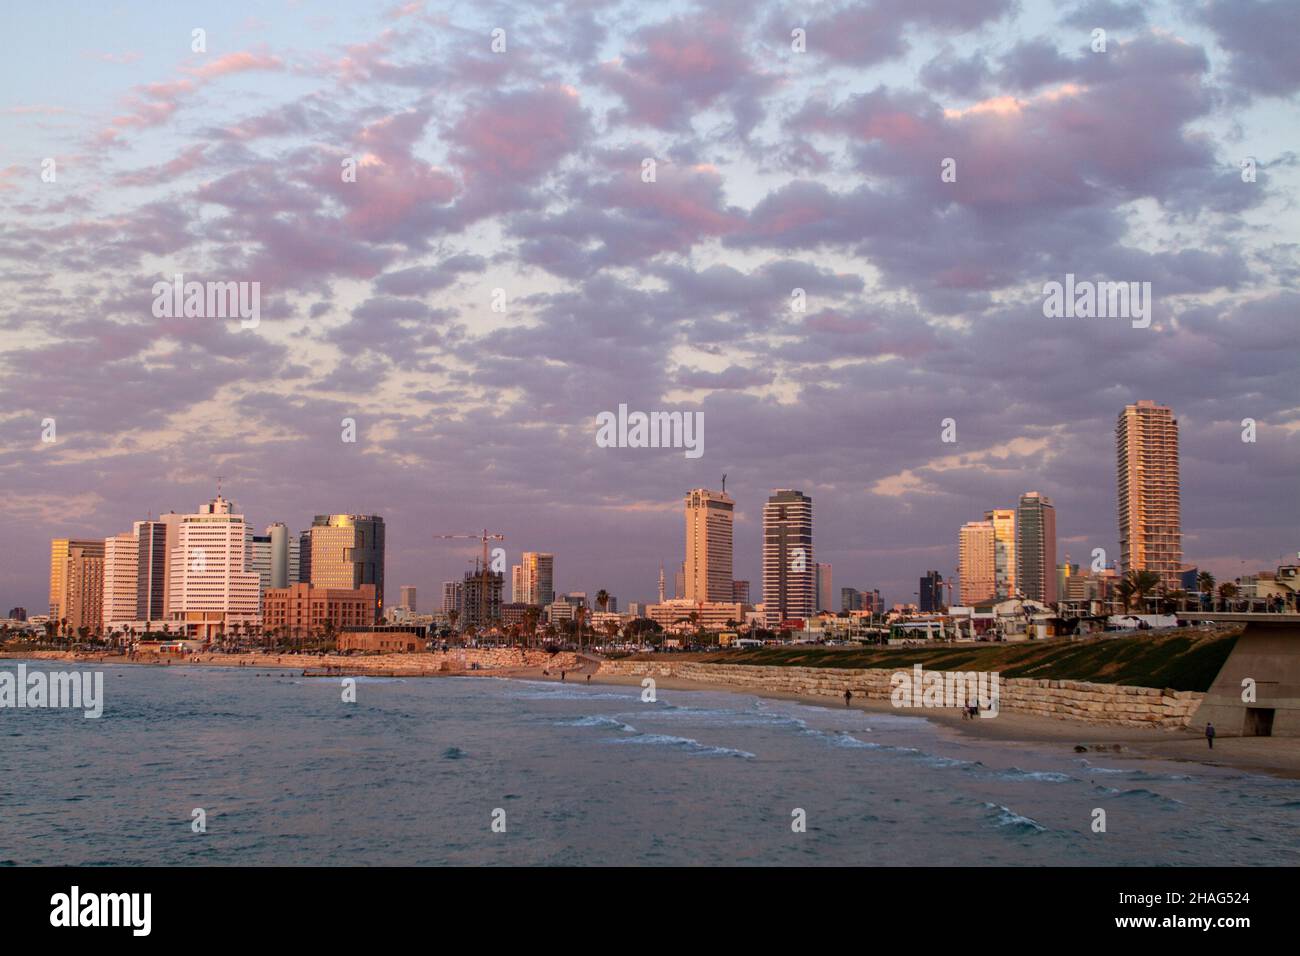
(516, 178)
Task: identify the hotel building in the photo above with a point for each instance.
(976, 547)
(303, 611)
(707, 568)
(212, 583)
(121, 574)
(1150, 521)
(77, 583)
(347, 551)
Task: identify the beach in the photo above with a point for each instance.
(1277, 756)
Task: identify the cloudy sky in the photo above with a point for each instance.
(522, 171)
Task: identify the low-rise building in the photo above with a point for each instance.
(383, 638)
(710, 615)
(303, 611)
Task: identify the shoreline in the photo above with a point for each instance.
(1273, 756)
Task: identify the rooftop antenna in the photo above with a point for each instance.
(724, 484)
(220, 478)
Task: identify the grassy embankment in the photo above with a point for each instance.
(1181, 660)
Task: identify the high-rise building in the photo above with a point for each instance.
(85, 595)
(476, 611)
(679, 582)
(976, 559)
(825, 589)
(707, 567)
(60, 548)
(304, 558)
(1036, 547)
(259, 550)
(281, 561)
(739, 592)
(77, 582)
(850, 599)
(1004, 550)
(121, 571)
(789, 571)
(536, 583)
(450, 597)
(152, 568)
(347, 551)
(408, 599)
(212, 584)
(1150, 519)
(930, 593)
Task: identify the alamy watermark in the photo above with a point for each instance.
(208, 300)
(82, 690)
(1101, 300)
(965, 689)
(651, 430)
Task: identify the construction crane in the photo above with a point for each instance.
(485, 537)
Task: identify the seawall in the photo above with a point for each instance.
(1062, 699)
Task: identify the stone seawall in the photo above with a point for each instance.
(1062, 699)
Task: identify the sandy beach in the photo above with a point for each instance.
(1277, 756)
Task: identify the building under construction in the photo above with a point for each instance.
(474, 609)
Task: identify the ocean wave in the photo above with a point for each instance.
(598, 720)
(1042, 776)
(1143, 794)
(687, 744)
(1006, 817)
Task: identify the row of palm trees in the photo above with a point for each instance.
(1137, 587)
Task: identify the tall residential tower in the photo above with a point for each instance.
(789, 572)
(1150, 521)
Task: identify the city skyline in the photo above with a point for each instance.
(901, 596)
(798, 271)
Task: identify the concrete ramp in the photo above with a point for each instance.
(1267, 653)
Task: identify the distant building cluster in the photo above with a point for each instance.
(205, 574)
(208, 573)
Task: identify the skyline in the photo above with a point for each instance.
(1113, 558)
(522, 171)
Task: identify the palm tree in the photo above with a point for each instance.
(1142, 583)
(602, 599)
(1227, 591)
(1205, 584)
(1125, 591)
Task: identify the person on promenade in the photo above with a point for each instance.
(561, 675)
(848, 696)
(1209, 735)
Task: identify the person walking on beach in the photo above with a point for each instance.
(561, 675)
(848, 696)
(1209, 735)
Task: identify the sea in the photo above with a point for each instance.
(202, 765)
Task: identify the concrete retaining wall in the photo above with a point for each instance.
(1062, 699)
